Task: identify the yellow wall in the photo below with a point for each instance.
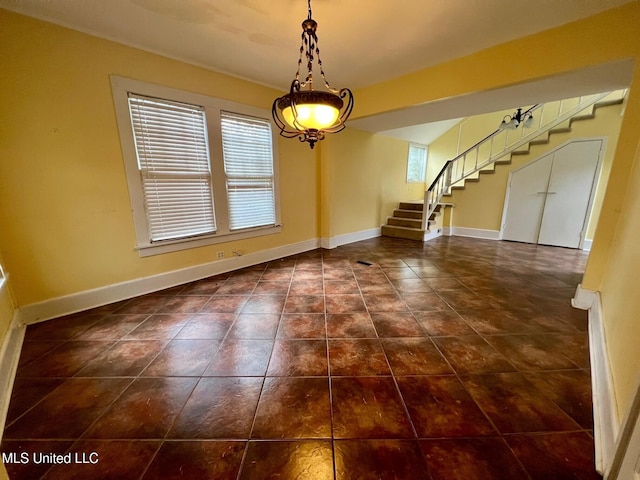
(607, 37)
(365, 178)
(619, 256)
(64, 207)
(480, 205)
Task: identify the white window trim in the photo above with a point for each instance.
(426, 156)
(121, 87)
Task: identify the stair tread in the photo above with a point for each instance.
(412, 229)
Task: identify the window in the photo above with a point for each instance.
(416, 163)
(200, 170)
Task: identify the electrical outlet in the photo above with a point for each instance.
(220, 255)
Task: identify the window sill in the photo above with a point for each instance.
(159, 248)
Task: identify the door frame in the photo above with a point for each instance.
(592, 194)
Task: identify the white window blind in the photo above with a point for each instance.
(248, 165)
(173, 158)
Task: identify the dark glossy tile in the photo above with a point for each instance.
(295, 460)
(34, 349)
(69, 410)
(255, 326)
(515, 405)
(357, 357)
(279, 274)
(219, 408)
(461, 300)
(302, 325)
(225, 303)
(264, 304)
(64, 328)
(368, 407)
(350, 325)
(307, 274)
(570, 390)
(306, 287)
(566, 455)
(206, 325)
(125, 359)
(183, 358)
(66, 360)
(205, 459)
(440, 406)
(347, 303)
(292, 358)
(293, 408)
(379, 459)
(472, 354)
(207, 286)
(573, 346)
(144, 304)
(116, 460)
(112, 327)
(32, 449)
(425, 302)
(304, 304)
(498, 321)
(160, 327)
(146, 409)
(528, 352)
(411, 285)
(27, 392)
(184, 304)
(385, 302)
(233, 286)
(341, 287)
(471, 459)
(383, 287)
(414, 356)
(237, 357)
(272, 287)
(442, 284)
(397, 324)
(443, 323)
(344, 274)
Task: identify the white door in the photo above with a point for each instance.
(526, 201)
(572, 177)
(548, 200)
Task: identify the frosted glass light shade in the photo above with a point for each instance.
(314, 110)
(311, 116)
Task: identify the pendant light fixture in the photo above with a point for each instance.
(511, 122)
(307, 113)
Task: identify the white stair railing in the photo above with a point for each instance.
(502, 142)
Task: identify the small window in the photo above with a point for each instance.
(416, 163)
(200, 170)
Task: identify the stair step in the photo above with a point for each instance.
(403, 232)
(404, 222)
(408, 213)
(411, 206)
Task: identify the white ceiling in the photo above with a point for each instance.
(361, 42)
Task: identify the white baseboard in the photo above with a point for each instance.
(472, 232)
(605, 411)
(338, 240)
(85, 300)
(9, 356)
(431, 235)
(586, 244)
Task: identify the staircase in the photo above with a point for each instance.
(495, 149)
(407, 221)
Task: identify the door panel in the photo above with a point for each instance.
(526, 201)
(572, 177)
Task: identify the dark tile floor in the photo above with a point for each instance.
(454, 359)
